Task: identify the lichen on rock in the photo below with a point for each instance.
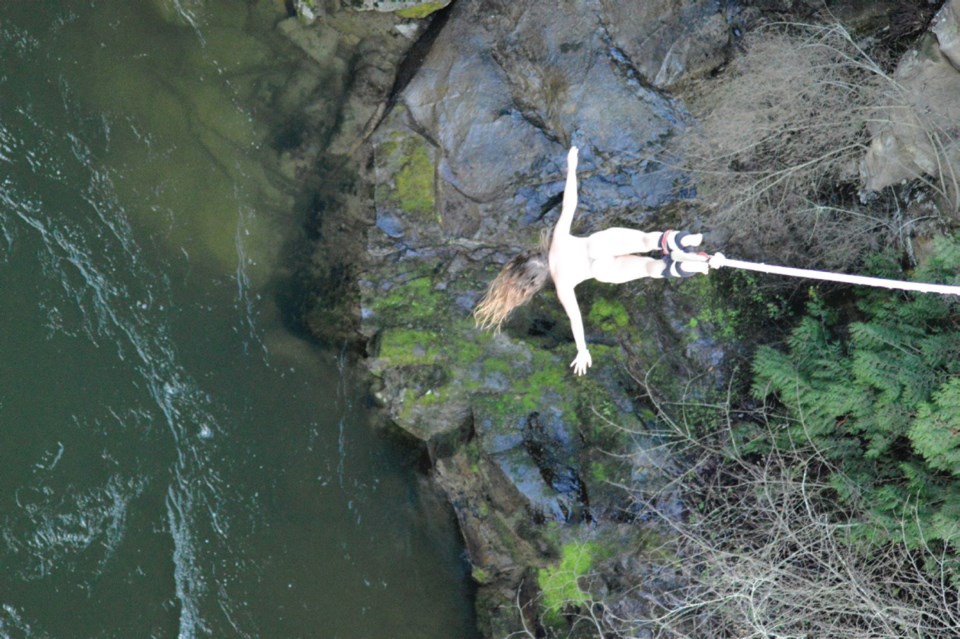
(406, 169)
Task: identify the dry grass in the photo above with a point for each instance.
(776, 154)
(767, 550)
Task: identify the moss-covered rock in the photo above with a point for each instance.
(405, 169)
(410, 9)
(422, 10)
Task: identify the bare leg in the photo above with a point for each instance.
(622, 241)
(626, 268)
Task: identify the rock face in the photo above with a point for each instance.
(508, 86)
(946, 26)
(467, 168)
(460, 124)
(670, 41)
(917, 134)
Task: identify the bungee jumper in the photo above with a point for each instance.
(607, 256)
(611, 256)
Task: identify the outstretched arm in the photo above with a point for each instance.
(565, 222)
(569, 301)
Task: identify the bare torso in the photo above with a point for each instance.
(610, 256)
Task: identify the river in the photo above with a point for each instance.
(175, 462)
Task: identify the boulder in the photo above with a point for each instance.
(507, 88)
(946, 26)
(917, 133)
(670, 40)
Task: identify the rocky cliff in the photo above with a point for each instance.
(459, 122)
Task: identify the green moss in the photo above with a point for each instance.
(388, 147)
(421, 10)
(405, 413)
(415, 182)
(411, 301)
(608, 315)
(408, 159)
(599, 472)
(465, 352)
(733, 304)
(472, 451)
(497, 365)
(500, 408)
(404, 347)
(551, 534)
(548, 377)
(544, 381)
(560, 584)
(479, 575)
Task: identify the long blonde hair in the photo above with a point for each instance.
(516, 283)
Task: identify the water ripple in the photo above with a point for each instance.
(91, 253)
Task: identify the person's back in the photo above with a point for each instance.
(607, 256)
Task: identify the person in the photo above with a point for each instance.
(608, 256)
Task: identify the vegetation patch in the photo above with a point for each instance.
(609, 315)
(878, 397)
(405, 347)
(560, 584)
(407, 159)
(415, 182)
(734, 304)
(780, 136)
(412, 301)
(421, 10)
(850, 461)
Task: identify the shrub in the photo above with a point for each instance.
(879, 397)
(833, 509)
(774, 553)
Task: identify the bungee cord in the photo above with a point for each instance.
(718, 260)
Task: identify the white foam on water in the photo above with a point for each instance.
(191, 18)
(344, 407)
(70, 529)
(190, 584)
(16, 42)
(246, 299)
(13, 625)
(94, 258)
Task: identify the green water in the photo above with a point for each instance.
(173, 461)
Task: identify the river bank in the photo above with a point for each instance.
(460, 152)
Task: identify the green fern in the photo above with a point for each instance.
(935, 433)
(881, 399)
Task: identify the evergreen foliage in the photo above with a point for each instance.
(880, 398)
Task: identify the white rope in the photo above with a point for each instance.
(718, 260)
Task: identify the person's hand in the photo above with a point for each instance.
(572, 158)
(582, 363)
